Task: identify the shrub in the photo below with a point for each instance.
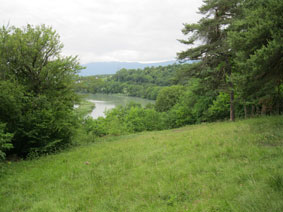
(168, 97)
(5, 141)
(37, 83)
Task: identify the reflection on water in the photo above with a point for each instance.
(100, 108)
(105, 102)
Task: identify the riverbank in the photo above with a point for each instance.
(220, 166)
(105, 102)
(84, 108)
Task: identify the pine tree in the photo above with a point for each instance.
(213, 51)
(257, 39)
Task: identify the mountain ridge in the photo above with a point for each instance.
(100, 68)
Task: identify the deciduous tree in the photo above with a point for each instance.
(41, 113)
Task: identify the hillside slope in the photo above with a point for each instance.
(209, 167)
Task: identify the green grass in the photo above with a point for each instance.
(209, 167)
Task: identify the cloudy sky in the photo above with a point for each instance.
(109, 30)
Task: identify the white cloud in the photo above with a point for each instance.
(104, 30)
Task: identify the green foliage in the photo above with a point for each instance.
(13, 98)
(96, 127)
(212, 29)
(215, 55)
(220, 108)
(112, 124)
(37, 83)
(179, 115)
(47, 125)
(124, 120)
(192, 106)
(238, 70)
(145, 83)
(161, 76)
(184, 105)
(168, 97)
(5, 141)
(257, 41)
(139, 119)
(240, 55)
(90, 84)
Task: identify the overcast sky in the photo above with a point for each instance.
(109, 30)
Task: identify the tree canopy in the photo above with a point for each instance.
(37, 94)
(239, 46)
(257, 39)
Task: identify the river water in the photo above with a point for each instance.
(105, 102)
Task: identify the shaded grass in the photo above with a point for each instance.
(208, 167)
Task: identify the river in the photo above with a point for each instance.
(105, 102)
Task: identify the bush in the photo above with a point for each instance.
(37, 94)
(123, 120)
(178, 116)
(46, 126)
(168, 97)
(220, 109)
(5, 141)
(140, 119)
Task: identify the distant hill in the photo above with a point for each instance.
(100, 68)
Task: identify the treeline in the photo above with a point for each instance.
(241, 58)
(36, 92)
(144, 83)
(175, 106)
(239, 46)
(240, 53)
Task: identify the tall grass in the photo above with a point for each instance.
(208, 167)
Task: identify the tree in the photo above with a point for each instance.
(214, 53)
(168, 97)
(257, 39)
(41, 115)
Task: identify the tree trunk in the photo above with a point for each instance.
(232, 112)
(278, 107)
(278, 98)
(257, 110)
(246, 111)
(253, 111)
(263, 109)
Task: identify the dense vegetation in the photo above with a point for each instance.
(37, 96)
(209, 167)
(145, 83)
(241, 52)
(228, 166)
(238, 73)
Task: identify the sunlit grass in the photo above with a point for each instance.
(208, 167)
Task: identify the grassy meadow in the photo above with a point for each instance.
(208, 167)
